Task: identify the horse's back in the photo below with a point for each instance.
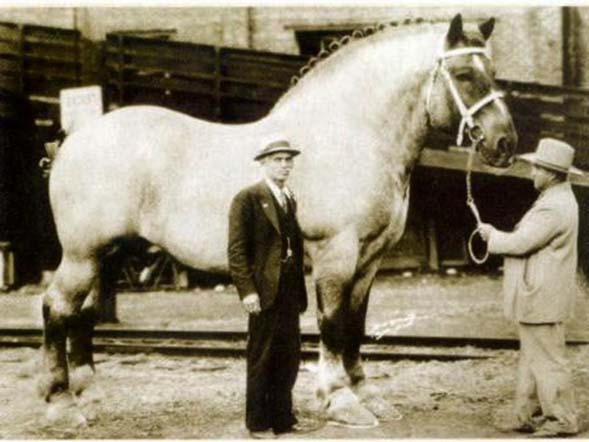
(153, 172)
(101, 174)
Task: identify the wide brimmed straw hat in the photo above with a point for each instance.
(275, 144)
(553, 154)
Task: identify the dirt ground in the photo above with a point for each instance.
(151, 396)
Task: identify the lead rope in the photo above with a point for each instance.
(472, 205)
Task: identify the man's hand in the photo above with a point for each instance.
(251, 303)
(485, 231)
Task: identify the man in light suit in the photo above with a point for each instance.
(266, 263)
(539, 292)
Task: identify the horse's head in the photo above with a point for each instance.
(463, 97)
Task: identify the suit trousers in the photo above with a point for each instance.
(544, 378)
(273, 357)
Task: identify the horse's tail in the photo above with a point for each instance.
(51, 148)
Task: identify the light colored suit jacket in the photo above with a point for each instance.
(540, 266)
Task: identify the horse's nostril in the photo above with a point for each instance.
(503, 145)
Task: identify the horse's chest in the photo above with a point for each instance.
(396, 215)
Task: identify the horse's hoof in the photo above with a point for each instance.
(81, 378)
(62, 411)
(371, 398)
(344, 409)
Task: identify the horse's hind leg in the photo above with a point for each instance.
(62, 304)
(81, 329)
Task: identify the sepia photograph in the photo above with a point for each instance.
(313, 220)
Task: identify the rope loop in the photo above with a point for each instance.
(475, 258)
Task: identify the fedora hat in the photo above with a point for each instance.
(275, 144)
(553, 154)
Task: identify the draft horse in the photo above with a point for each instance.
(360, 116)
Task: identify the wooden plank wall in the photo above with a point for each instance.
(555, 111)
(36, 62)
(217, 84)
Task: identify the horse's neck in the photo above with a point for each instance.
(374, 88)
(406, 125)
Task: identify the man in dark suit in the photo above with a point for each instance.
(266, 263)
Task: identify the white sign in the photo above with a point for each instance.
(78, 106)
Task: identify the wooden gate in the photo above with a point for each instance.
(208, 82)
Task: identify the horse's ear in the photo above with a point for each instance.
(455, 33)
(487, 27)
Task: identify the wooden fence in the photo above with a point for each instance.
(36, 62)
(556, 111)
(218, 84)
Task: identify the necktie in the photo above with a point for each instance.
(284, 201)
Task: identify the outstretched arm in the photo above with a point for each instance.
(533, 233)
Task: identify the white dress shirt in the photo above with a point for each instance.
(279, 194)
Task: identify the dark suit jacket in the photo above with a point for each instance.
(255, 247)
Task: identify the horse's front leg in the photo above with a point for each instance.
(369, 395)
(334, 265)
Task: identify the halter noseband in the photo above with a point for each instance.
(466, 113)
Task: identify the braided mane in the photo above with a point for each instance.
(356, 34)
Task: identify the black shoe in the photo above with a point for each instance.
(298, 428)
(285, 424)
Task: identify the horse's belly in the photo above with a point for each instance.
(198, 241)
